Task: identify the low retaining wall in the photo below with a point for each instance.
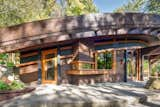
(6, 95)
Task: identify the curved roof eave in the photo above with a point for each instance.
(72, 27)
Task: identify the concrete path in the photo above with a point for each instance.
(98, 95)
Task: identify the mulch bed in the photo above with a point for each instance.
(5, 95)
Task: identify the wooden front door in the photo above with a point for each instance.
(49, 66)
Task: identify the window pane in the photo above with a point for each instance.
(108, 58)
(104, 60)
(29, 59)
(48, 56)
(86, 66)
(101, 60)
(50, 70)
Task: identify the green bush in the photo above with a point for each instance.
(15, 85)
(155, 68)
(4, 86)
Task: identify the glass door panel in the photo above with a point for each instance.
(50, 71)
(49, 66)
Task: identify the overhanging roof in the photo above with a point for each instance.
(74, 27)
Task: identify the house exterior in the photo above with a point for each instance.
(83, 49)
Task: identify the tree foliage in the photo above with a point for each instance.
(153, 6)
(148, 6)
(132, 6)
(78, 7)
(18, 11)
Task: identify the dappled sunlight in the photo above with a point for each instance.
(102, 92)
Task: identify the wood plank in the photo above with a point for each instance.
(89, 62)
(29, 69)
(28, 54)
(66, 56)
(66, 48)
(88, 72)
(27, 64)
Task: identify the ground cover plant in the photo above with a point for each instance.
(14, 85)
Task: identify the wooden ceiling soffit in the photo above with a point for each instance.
(56, 37)
(23, 43)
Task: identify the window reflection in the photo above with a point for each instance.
(105, 60)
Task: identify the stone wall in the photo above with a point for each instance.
(8, 73)
(65, 66)
(92, 79)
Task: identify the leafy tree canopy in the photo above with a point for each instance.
(148, 6)
(78, 7)
(18, 11)
(14, 12)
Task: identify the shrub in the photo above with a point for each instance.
(15, 85)
(4, 86)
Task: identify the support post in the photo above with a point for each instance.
(149, 67)
(114, 61)
(141, 69)
(39, 67)
(95, 65)
(125, 65)
(59, 64)
(137, 65)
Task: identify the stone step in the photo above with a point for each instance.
(149, 82)
(152, 101)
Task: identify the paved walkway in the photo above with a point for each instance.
(102, 94)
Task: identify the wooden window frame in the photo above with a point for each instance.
(44, 53)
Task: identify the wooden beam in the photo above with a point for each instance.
(27, 64)
(66, 48)
(88, 72)
(28, 54)
(121, 41)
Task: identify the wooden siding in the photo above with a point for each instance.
(87, 72)
(29, 73)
